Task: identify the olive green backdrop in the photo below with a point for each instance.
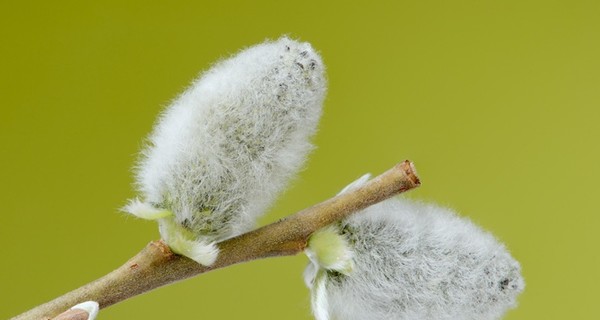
(495, 101)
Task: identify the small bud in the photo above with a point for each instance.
(221, 152)
(84, 311)
(414, 261)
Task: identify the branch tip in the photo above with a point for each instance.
(411, 173)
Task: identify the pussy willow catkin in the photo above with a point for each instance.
(404, 260)
(225, 148)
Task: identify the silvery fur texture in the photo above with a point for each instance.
(416, 261)
(223, 150)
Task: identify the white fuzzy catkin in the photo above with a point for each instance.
(222, 151)
(415, 261)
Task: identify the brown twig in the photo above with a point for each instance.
(156, 265)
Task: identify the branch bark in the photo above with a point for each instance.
(156, 265)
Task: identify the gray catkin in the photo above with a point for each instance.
(416, 261)
(225, 148)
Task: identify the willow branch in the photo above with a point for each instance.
(156, 265)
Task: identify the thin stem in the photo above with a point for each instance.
(156, 265)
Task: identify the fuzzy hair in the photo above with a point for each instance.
(223, 150)
(416, 261)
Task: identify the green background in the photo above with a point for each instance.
(495, 101)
